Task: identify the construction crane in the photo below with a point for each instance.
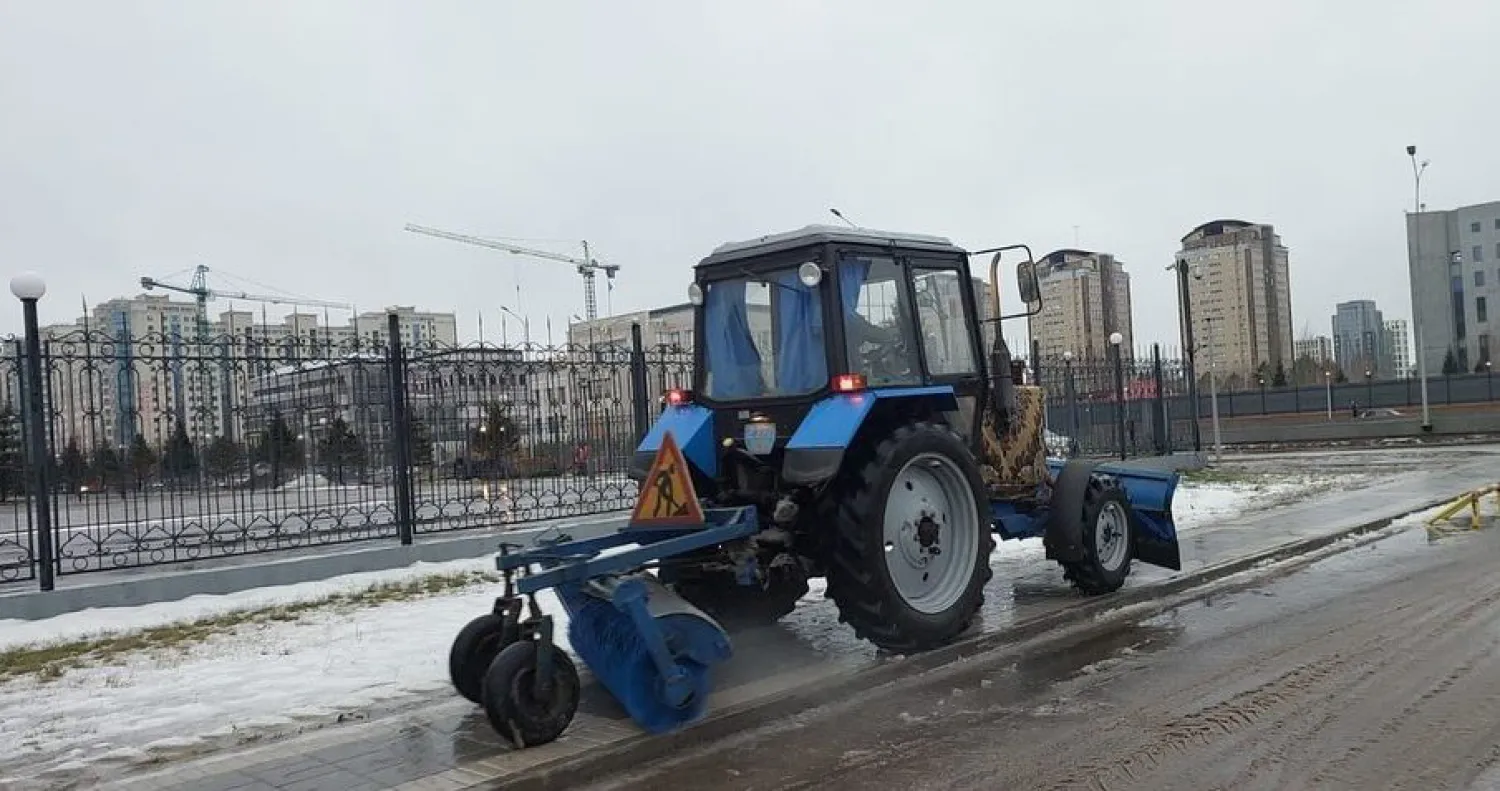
(587, 266)
(199, 289)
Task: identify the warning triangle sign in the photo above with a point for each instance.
(667, 495)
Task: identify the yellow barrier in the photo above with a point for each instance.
(1470, 501)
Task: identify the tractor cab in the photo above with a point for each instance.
(787, 324)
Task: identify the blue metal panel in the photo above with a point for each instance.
(1150, 492)
(1012, 524)
(833, 422)
(578, 561)
(692, 426)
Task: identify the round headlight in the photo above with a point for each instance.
(695, 294)
(810, 274)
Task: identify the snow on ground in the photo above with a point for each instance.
(279, 675)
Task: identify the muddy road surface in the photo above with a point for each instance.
(1376, 668)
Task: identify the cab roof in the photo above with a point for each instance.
(824, 234)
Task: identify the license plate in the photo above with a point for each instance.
(760, 438)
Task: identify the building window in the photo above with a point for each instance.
(1481, 310)
(1479, 278)
(1478, 253)
(1474, 227)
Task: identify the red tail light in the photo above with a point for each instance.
(848, 383)
(678, 396)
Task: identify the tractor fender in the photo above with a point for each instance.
(1063, 538)
(692, 427)
(816, 449)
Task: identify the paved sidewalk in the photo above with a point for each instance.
(447, 744)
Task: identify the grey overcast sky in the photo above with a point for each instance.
(288, 143)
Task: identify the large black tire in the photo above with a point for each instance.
(475, 647)
(860, 579)
(509, 699)
(738, 607)
(1108, 539)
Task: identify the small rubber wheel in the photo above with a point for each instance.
(475, 647)
(510, 701)
(1108, 538)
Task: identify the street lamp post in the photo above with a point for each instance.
(1369, 389)
(1071, 393)
(1263, 395)
(1190, 349)
(1115, 339)
(1213, 387)
(1416, 220)
(525, 323)
(1328, 383)
(1489, 378)
(29, 287)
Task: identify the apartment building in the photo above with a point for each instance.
(1454, 263)
(1318, 348)
(1085, 299)
(1240, 293)
(1398, 342)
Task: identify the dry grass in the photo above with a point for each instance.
(51, 661)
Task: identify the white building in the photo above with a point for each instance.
(1319, 349)
(1398, 341)
(1454, 263)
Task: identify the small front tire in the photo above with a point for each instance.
(475, 647)
(510, 701)
(1108, 539)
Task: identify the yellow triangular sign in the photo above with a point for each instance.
(667, 495)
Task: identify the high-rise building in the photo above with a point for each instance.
(1453, 258)
(1359, 340)
(1318, 348)
(1085, 298)
(1398, 341)
(1240, 293)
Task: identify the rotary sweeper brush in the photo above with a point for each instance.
(842, 424)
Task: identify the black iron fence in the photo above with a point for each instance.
(160, 448)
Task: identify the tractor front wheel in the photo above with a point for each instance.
(1108, 536)
(911, 555)
(511, 700)
(473, 649)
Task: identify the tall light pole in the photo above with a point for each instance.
(1189, 346)
(1328, 383)
(1213, 386)
(1115, 339)
(1416, 229)
(30, 287)
(525, 323)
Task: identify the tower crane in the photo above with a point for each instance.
(587, 266)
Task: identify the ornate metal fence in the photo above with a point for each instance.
(171, 446)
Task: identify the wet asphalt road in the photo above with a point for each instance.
(1373, 669)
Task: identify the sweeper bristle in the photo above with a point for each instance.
(608, 642)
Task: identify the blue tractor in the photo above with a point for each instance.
(843, 423)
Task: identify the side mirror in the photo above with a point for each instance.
(1026, 282)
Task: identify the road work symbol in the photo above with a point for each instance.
(667, 495)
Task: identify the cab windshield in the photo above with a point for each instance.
(763, 337)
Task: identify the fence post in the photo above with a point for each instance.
(29, 287)
(400, 428)
(640, 408)
(1159, 419)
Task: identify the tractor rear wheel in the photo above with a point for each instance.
(911, 554)
(1108, 536)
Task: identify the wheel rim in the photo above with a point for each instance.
(930, 507)
(1109, 535)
